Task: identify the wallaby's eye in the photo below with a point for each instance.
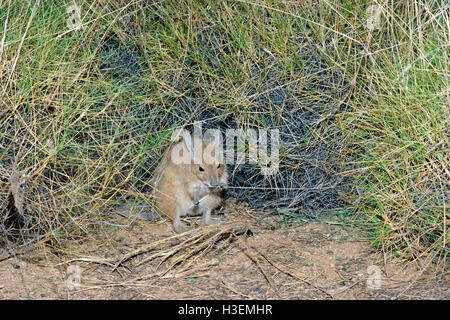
(218, 166)
(201, 169)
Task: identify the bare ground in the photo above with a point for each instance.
(317, 260)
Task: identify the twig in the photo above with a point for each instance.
(88, 259)
(415, 279)
(292, 275)
(344, 288)
(256, 262)
(229, 287)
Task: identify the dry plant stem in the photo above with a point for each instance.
(333, 294)
(4, 35)
(18, 52)
(291, 274)
(305, 19)
(142, 250)
(193, 242)
(91, 260)
(423, 269)
(260, 268)
(230, 287)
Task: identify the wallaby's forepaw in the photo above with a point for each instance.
(210, 222)
(178, 228)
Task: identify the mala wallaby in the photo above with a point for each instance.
(190, 180)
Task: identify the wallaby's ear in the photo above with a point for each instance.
(177, 135)
(213, 152)
(212, 136)
(179, 154)
(188, 142)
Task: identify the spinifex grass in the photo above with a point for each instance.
(398, 129)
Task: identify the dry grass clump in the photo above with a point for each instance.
(397, 130)
(183, 250)
(62, 125)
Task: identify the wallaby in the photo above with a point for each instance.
(190, 181)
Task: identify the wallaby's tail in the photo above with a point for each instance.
(141, 211)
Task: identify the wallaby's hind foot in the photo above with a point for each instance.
(179, 228)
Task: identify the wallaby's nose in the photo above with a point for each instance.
(215, 185)
(213, 181)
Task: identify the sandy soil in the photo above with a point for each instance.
(318, 260)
